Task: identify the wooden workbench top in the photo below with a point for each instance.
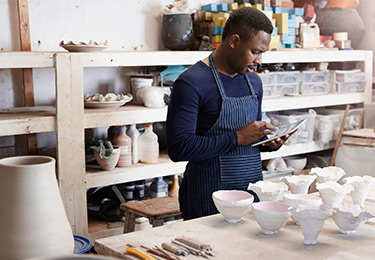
(244, 240)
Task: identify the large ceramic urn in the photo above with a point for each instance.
(33, 221)
(177, 31)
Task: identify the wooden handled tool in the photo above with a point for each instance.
(173, 249)
(139, 252)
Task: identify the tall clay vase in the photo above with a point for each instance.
(331, 20)
(177, 31)
(33, 222)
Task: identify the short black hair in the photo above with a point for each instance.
(247, 22)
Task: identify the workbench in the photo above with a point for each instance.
(244, 240)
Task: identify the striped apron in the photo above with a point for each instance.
(233, 170)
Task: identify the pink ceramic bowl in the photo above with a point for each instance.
(232, 204)
(271, 215)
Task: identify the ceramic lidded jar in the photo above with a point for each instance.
(361, 186)
(311, 220)
(349, 217)
(177, 31)
(299, 184)
(332, 192)
(33, 222)
(330, 173)
(268, 191)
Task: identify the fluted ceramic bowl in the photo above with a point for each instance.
(232, 204)
(270, 215)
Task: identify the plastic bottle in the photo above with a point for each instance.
(173, 191)
(133, 133)
(148, 146)
(129, 191)
(139, 192)
(159, 188)
(124, 142)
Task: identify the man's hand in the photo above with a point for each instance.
(254, 131)
(276, 143)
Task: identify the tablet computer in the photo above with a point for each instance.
(281, 131)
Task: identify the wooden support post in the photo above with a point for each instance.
(27, 74)
(338, 141)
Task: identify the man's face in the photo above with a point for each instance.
(248, 54)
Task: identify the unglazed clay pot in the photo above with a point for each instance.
(33, 222)
(330, 173)
(332, 192)
(349, 217)
(294, 200)
(110, 163)
(311, 220)
(331, 20)
(299, 184)
(232, 204)
(362, 186)
(268, 191)
(270, 215)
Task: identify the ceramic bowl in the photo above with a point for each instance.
(299, 184)
(349, 217)
(331, 173)
(332, 192)
(361, 186)
(311, 219)
(294, 200)
(232, 204)
(270, 215)
(110, 163)
(296, 162)
(269, 191)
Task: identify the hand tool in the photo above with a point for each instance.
(139, 252)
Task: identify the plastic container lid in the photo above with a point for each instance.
(81, 244)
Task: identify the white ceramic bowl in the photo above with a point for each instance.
(268, 190)
(294, 200)
(330, 173)
(232, 204)
(332, 192)
(270, 215)
(296, 162)
(349, 217)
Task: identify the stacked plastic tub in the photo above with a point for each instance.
(315, 82)
(305, 133)
(350, 81)
(280, 83)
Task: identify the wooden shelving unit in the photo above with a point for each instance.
(71, 119)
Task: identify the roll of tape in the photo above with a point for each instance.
(340, 36)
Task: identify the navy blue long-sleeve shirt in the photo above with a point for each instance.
(193, 109)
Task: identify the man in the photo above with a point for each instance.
(214, 115)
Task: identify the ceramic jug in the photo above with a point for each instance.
(33, 222)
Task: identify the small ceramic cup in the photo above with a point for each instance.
(268, 191)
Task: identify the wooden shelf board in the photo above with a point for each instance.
(26, 59)
(96, 177)
(128, 114)
(302, 148)
(311, 101)
(27, 123)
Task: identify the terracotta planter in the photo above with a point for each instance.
(33, 222)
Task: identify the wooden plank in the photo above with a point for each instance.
(343, 124)
(70, 141)
(17, 60)
(27, 74)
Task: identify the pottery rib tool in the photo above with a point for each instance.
(173, 249)
(139, 252)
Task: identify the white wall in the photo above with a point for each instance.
(128, 25)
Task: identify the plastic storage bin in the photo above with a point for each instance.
(269, 91)
(287, 77)
(354, 120)
(327, 126)
(315, 88)
(350, 76)
(305, 133)
(287, 89)
(268, 78)
(344, 87)
(315, 76)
